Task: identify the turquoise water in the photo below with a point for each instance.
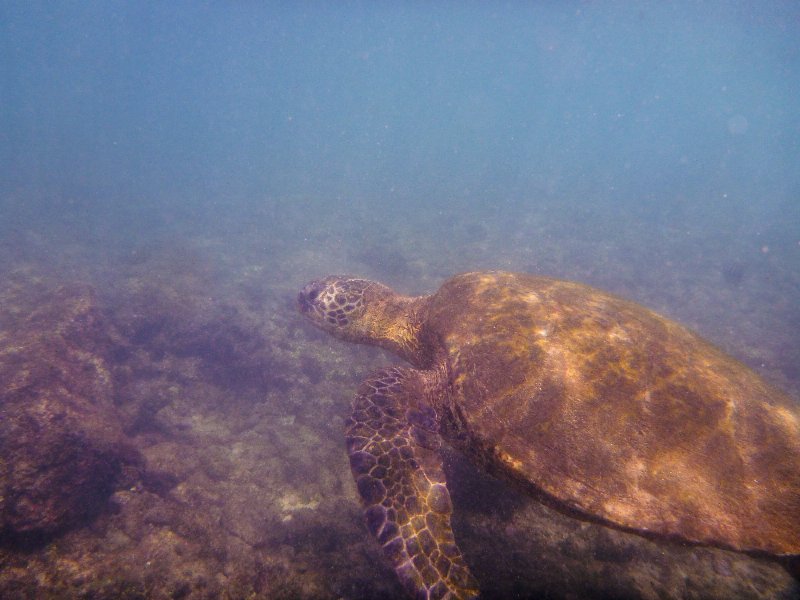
(196, 163)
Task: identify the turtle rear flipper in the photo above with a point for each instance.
(393, 443)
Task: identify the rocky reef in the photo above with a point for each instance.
(62, 448)
(172, 429)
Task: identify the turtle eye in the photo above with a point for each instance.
(312, 295)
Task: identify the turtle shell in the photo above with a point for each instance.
(615, 412)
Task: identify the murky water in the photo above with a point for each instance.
(171, 175)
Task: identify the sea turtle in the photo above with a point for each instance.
(597, 405)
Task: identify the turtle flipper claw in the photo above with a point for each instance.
(393, 443)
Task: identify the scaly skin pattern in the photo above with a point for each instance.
(597, 405)
(393, 442)
(367, 312)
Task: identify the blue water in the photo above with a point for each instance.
(649, 148)
(650, 133)
(228, 103)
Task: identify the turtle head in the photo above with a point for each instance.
(341, 305)
(364, 311)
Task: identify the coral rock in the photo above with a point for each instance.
(61, 446)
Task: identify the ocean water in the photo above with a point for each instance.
(193, 164)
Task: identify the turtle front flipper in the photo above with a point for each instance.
(393, 442)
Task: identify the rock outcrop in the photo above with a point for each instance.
(62, 450)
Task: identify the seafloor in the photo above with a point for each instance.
(232, 407)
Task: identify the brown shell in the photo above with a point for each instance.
(619, 413)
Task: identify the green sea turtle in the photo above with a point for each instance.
(593, 403)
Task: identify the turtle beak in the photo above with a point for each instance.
(303, 305)
(306, 297)
(302, 302)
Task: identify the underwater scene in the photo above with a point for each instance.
(174, 174)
